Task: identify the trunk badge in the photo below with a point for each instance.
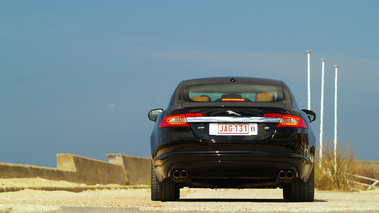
(230, 112)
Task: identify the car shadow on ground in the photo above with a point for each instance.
(240, 200)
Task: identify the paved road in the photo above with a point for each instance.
(193, 200)
(258, 200)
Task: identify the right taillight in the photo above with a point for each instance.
(288, 120)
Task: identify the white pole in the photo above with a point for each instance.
(309, 79)
(322, 107)
(335, 118)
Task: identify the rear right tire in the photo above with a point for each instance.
(299, 191)
(286, 192)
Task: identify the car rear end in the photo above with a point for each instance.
(232, 133)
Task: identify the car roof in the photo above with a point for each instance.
(228, 80)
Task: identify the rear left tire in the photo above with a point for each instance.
(167, 190)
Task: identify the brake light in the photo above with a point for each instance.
(234, 99)
(178, 120)
(288, 120)
(273, 115)
(193, 115)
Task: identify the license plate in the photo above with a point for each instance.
(233, 129)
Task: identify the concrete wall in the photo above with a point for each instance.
(136, 169)
(91, 171)
(8, 170)
(79, 169)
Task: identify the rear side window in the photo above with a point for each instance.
(233, 93)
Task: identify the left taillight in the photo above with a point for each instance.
(288, 120)
(178, 120)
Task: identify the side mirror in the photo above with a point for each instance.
(311, 115)
(153, 114)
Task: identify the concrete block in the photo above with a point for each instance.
(91, 171)
(66, 162)
(136, 169)
(70, 168)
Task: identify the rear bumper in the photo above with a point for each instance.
(261, 166)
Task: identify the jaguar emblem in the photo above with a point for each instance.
(230, 112)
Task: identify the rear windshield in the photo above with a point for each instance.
(233, 93)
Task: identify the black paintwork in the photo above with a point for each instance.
(232, 161)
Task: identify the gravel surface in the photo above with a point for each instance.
(192, 200)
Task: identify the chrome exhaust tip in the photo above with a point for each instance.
(184, 174)
(282, 174)
(290, 175)
(176, 174)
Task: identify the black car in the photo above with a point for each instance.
(232, 133)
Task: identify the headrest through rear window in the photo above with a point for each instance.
(201, 98)
(264, 97)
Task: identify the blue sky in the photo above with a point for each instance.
(80, 76)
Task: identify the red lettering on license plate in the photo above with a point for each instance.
(233, 128)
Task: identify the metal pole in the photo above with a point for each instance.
(335, 118)
(322, 107)
(309, 79)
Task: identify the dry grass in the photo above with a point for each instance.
(368, 169)
(329, 178)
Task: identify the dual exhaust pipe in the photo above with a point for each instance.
(286, 175)
(180, 174)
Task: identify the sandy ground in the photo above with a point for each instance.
(17, 184)
(35, 182)
(192, 200)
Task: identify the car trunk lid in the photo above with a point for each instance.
(232, 123)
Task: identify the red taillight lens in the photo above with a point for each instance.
(292, 121)
(178, 120)
(288, 120)
(193, 115)
(174, 121)
(273, 115)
